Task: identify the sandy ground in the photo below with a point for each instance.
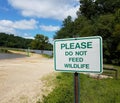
(20, 78)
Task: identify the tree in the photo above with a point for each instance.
(41, 42)
(9, 40)
(83, 27)
(108, 6)
(94, 8)
(97, 17)
(87, 8)
(67, 29)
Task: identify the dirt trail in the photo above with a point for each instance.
(20, 78)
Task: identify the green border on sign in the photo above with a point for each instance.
(81, 38)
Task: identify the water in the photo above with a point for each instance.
(42, 52)
(10, 56)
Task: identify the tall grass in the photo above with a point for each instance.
(47, 56)
(3, 50)
(99, 91)
(91, 90)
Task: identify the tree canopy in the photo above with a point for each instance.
(14, 41)
(41, 42)
(96, 18)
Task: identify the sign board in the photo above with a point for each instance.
(78, 54)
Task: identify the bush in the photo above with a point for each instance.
(4, 50)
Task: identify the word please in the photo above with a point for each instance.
(78, 45)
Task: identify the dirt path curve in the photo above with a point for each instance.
(20, 78)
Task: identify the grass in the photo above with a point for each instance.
(62, 93)
(47, 56)
(3, 50)
(91, 90)
(99, 91)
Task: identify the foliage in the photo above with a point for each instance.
(99, 91)
(88, 8)
(93, 8)
(47, 56)
(67, 29)
(41, 42)
(2, 50)
(63, 92)
(96, 17)
(91, 90)
(13, 41)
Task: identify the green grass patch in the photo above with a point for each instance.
(63, 92)
(47, 56)
(99, 91)
(91, 90)
(3, 50)
(14, 49)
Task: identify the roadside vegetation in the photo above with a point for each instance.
(91, 90)
(3, 50)
(47, 56)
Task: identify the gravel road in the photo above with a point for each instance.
(20, 78)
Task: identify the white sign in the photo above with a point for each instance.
(78, 54)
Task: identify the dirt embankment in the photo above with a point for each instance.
(20, 78)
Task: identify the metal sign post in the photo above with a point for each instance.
(76, 88)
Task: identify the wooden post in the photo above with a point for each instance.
(76, 87)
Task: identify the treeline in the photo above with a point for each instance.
(96, 18)
(9, 40)
(14, 41)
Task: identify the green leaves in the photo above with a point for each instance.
(12, 41)
(41, 42)
(96, 17)
(67, 30)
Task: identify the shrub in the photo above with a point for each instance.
(4, 50)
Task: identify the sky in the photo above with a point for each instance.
(26, 18)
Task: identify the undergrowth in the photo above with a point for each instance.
(91, 90)
(3, 50)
